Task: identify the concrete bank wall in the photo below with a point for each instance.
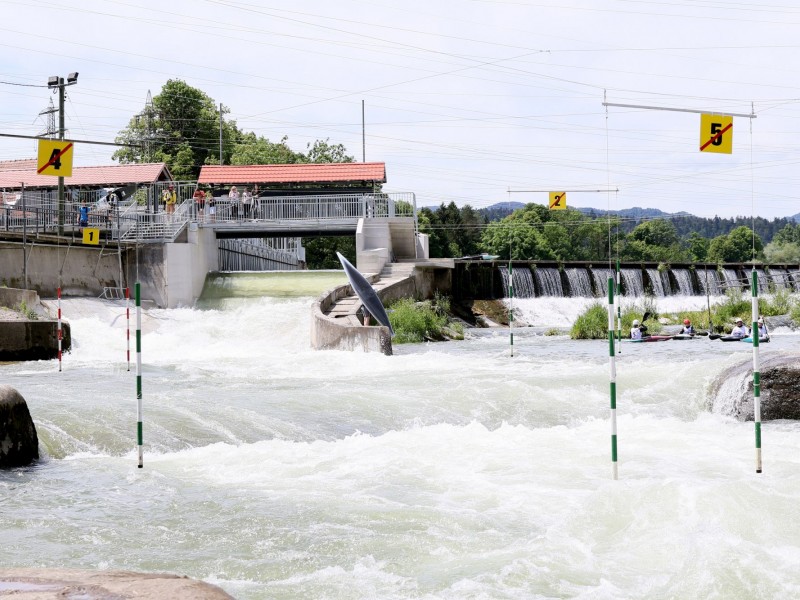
(170, 275)
(329, 333)
(30, 339)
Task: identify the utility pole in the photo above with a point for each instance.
(363, 136)
(56, 81)
(221, 108)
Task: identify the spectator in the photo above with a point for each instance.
(247, 203)
(200, 202)
(233, 196)
(169, 198)
(83, 214)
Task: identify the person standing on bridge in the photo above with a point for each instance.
(247, 203)
(211, 203)
(233, 196)
(169, 198)
(200, 202)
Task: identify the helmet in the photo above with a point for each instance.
(739, 321)
(635, 322)
(687, 322)
(760, 319)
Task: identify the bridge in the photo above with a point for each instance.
(178, 249)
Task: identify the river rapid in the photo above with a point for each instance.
(449, 470)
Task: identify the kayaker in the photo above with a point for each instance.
(688, 328)
(638, 330)
(739, 331)
(762, 329)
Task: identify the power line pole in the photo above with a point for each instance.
(56, 81)
(50, 128)
(221, 108)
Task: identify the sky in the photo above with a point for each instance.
(471, 101)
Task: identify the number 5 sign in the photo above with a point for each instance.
(716, 133)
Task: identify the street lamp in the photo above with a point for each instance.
(55, 81)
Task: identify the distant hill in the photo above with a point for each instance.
(633, 213)
(795, 218)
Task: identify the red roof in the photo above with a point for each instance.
(295, 173)
(86, 176)
(16, 165)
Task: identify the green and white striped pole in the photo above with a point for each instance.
(139, 372)
(511, 304)
(613, 378)
(754, 335)
(619, 314)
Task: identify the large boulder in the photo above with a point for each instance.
(57, 584)
(19, 444)
(731, 392)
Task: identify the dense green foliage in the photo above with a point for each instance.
(532, 232)
(415, 322)
(536, 233)
(592, 324)
(453, 232)
(321, 251)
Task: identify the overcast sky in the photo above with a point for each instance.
(465, 100)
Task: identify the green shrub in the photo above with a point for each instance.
(415, 322)
(592, 324)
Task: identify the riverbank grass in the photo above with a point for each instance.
(415, 322)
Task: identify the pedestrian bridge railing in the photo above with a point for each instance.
(131, 221)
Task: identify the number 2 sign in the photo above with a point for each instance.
(716, 133)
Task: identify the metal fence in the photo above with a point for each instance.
(142, 217)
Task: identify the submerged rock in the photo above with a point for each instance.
(731, 393)
(19, 444)
(55, 584)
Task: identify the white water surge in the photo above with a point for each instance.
(449, 470)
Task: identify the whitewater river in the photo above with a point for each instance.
(448, 470)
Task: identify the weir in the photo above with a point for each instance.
(481, 279)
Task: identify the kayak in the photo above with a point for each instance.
(749, 340)
(684, 336)
(653, 338)
(730, 338)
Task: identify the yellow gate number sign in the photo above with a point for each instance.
(558, 200)
(55, 158)
(716, 133)
(91, 235)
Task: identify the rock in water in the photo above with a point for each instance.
(731, 392)
(19, 444)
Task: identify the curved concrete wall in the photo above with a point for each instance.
(330, 333)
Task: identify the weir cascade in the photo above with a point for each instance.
(483, 279)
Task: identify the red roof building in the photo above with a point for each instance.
(15, 173)
(294, 176)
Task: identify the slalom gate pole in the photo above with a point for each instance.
(128, 322)
(613, 378)
(60, 332)
(754, 335)
(511, 305)
(619, 313)
(139, 371)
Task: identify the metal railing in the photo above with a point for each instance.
(142, 218)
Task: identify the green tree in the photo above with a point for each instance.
(181, 129)
(258, 150)
(735, 247)
(698, 247)
(325, 152)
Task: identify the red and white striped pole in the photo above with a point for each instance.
(60, 335)
(128, 322)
